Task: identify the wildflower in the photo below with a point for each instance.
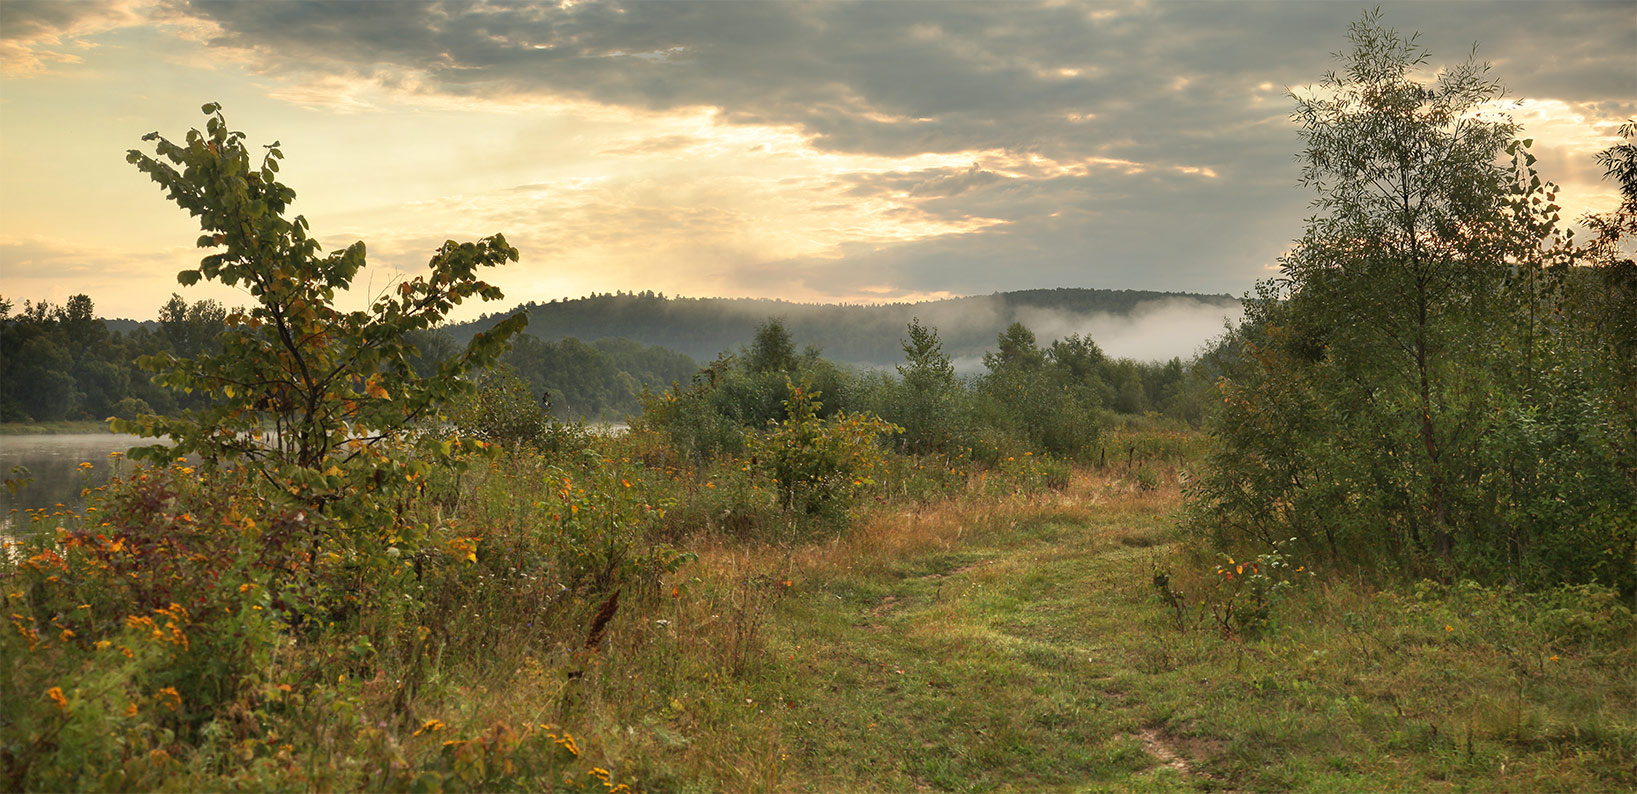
(1448, 627)
(566, 741)
(1554, 657)
(57, 697)
(169, 698)
(431, 726)
(131, 709)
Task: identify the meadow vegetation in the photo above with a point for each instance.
(1399, 557)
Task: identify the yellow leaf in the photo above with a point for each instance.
(375, 390)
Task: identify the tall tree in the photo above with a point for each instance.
(772, 349)
(1420, 389)
(929, 392)
(1408, 177)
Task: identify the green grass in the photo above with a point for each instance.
(1032, 654)
(991, 640)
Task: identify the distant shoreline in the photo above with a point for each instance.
(53, 428)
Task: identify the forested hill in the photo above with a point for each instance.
(705, 327)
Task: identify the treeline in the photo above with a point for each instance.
(603, 380)
(703, 327)
(62, 362)
(1054, 400)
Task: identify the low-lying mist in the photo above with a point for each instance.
(1157, 330)
(1153, 331)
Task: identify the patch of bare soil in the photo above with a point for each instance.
(1158, 746)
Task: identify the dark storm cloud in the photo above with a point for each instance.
(25, 20)
(1166, 80)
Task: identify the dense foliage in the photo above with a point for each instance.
(1437, 381)
(62, 362)
(1029, 399)
(603, 380)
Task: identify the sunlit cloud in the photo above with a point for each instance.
(816, 151)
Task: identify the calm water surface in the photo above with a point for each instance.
(53, 461)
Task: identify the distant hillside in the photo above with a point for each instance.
(706, 327)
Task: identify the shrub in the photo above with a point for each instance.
(131, 408)
(338, 389)
(818, 465)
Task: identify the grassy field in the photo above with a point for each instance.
(998, 634)
(1020, 644)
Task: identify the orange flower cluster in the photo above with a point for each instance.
(171, 632)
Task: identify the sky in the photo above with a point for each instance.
(821, 151)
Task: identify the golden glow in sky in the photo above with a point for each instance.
(814, 152)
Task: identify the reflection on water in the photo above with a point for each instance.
(53, 461)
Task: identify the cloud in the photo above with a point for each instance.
(36, 33)
(892, 78)
(842, 150)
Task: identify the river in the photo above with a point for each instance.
(53, 462)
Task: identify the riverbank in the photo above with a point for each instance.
(53, 428)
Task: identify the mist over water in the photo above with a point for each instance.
(1154, 330)
(1157, 330)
